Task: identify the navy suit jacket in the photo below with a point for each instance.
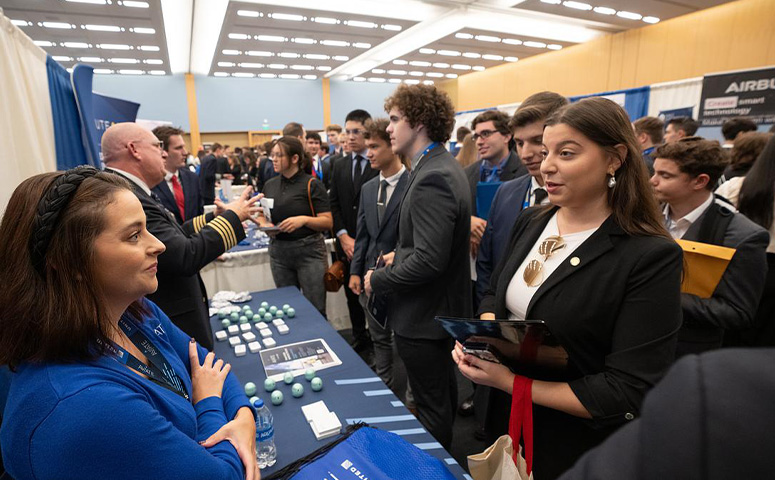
(193, 204)
(372, 237)
(506, 207)
(513, 169)
(207, 172)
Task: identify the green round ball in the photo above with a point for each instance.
(297, 390)
(250, 314)
(291, 312)
(272, 309)
(286, 307)
(269, 385)
(268, 317)
(309, 374)
(279, 314)
(264, 304)
(261, 311)
(277, 397)
(288, 378)
(225, 322)
(250, 389)
(234, 316)
(317, 384)
(243, 319)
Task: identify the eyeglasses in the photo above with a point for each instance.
(158, 143)
(354, 132)
(534, 272)
(483, 134)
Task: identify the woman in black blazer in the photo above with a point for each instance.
(610, 295)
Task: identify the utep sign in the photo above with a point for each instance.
(97, 112)
(739, 94)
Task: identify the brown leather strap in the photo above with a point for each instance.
(309, 197)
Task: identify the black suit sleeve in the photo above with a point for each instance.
(643, 338)
(333, 194)
(357, 266)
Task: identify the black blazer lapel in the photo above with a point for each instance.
(395, 199)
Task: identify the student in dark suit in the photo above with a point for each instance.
(348, 175)
(431, 273)
(377, 231)
(601, 270)
(685, 172)
(179, 192)
(208, 173)
(321, 168)
(134, 153)
(710, 418)
(513, 197)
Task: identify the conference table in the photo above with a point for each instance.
(351, 390)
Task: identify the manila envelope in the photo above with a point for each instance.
(704, 265)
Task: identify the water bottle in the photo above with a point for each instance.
(266, 453)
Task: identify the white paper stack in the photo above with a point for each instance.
(324, 424)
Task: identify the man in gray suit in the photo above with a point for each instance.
(430, 275)
(377, 230)
(684, 175)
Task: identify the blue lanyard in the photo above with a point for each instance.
(425, 152)
(319, 170)
(159, 371)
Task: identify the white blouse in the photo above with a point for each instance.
(518, 293)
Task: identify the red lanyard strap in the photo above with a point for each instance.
(521, 420)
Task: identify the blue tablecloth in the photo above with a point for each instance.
(352, 390)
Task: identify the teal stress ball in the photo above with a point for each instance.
(278, 314)
(249, 314)
(250, 389)
(225, 322)
(234, 316)
(245, 308)
(261, 311)
(288, 378)
(272, 309)
(291, 312)
(286, 307)
(297, 390)
(243, 319)
(221, 314)
(309, 374)
(269, 385)
(264, 305)
(277, 397)
(268, 317)
(317, 384)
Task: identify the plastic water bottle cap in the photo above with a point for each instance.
(258, 403)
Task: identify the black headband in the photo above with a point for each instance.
(50, 206)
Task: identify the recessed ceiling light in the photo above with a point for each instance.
(324, 68)
(157, 72)
(133, 4)
(251, 65)
(578, 5)
(427, 82)
(440, 65)
(144, 30)
(478, 68)
(418, 63)
(340, 58)
(267, 75)
(221, 74)
(335, 43)
(230, 52)
(427, 51)
(651, 19)
(270, 38)
(378, 71)
(243, 75)
(451, 75)
(629, 15)
(288, 55)
(464, 36)
(61, 58)
(91, 59)
(290, 76)
(258, 53)
(277, 66)
(435, 74)
(471, 55)
(392, 28)
(93, 2)
(494, 58)
(361, 45)
(102, 28)
(310, 77)
(459, 66)
(377, 80)
(487, 38)
(400, 62)
(239, 36)
(326, 20)
(114, 46)
(394, 80)
(249, 13)
(397, 72)
(360, 24)
(359, 79)
(59, 25)
(287, 16)
(302, 67)
(605, 10)
(102, 71)
(512, 41)
(123, 60)
(448, 53)
(149, 48)
(535, 44)
(131, 72)
(304, 41)
(44, 43)
(554, 46)
(154, 61)
(75, 45)
(416, 73)
(316, 56)
(552, 2)
(226, 64)
(511, 59)
(411, 81)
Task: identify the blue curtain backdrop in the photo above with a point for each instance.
(636, 100)
(67, 125)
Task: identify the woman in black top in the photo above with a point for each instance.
(297, 252)
(606, 281)
(235, 169)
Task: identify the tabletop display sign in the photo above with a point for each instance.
(749, 93)
(297, 358)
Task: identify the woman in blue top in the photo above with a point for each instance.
(105, 385)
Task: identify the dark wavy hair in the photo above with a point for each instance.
(696, 156)
(757, 194)
(605, 123)
(425, 105)
(292, 146)
(55, 314)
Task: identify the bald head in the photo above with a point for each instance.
(134, 149)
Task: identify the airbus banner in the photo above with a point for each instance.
(749, 93)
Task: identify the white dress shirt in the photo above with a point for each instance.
(168, 179)
(135, 179)
(532, 193)
(392, 182)
(678, 228)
